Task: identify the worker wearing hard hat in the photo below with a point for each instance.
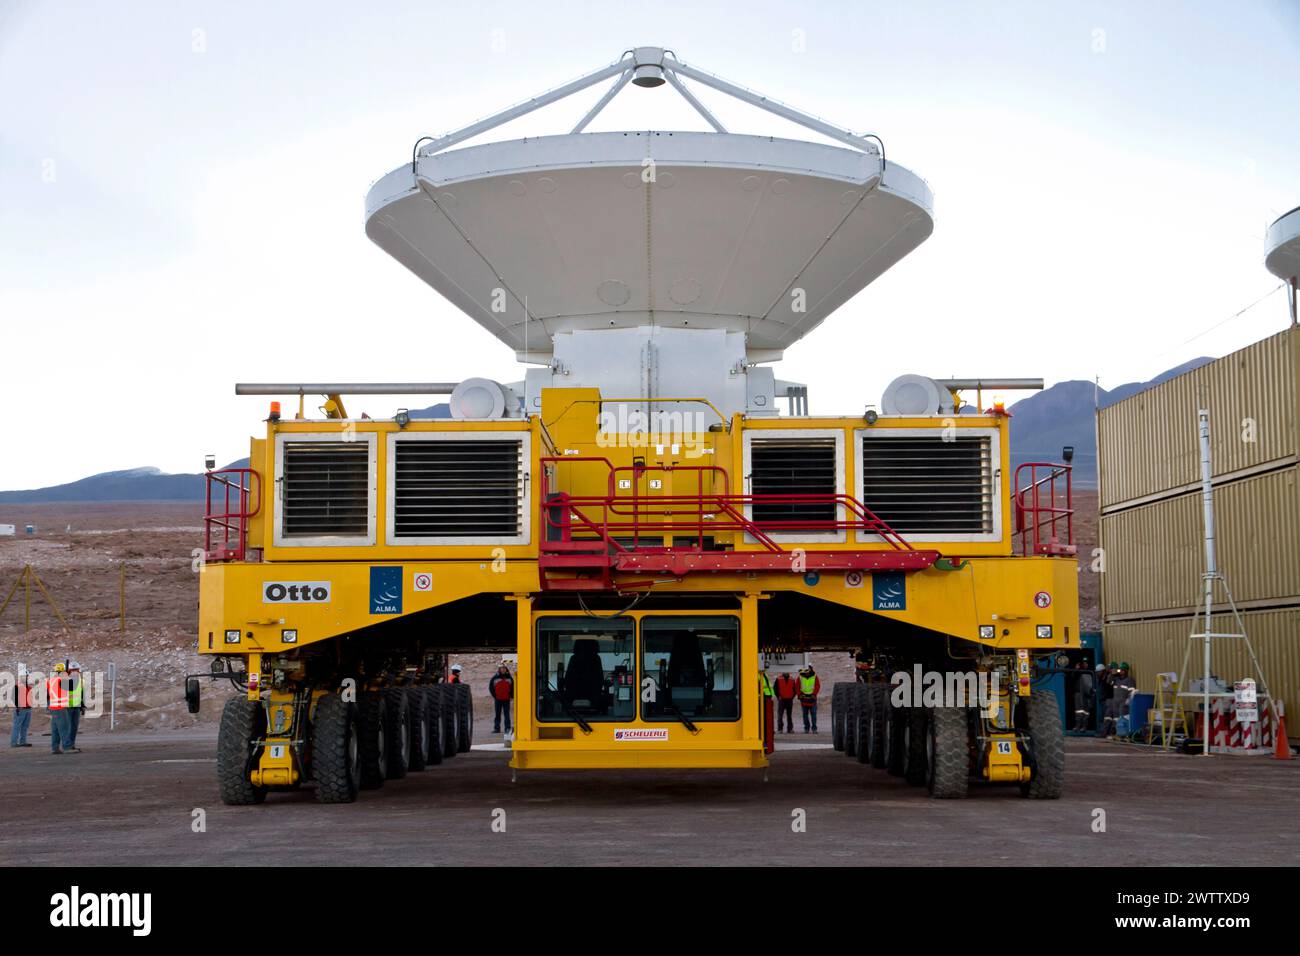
(455, 674)
(56, 700)
(787, 689)
(22, 709)
(810, 686)
(501, 688)
(76, 707)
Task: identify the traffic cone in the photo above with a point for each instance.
(1281, 749)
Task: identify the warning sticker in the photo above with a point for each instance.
(853, 579)
(1043, 599)
(641, 733)
(423, 581)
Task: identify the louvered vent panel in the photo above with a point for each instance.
(792, 466)
(923, 485)
(326, 488)
(459, 489)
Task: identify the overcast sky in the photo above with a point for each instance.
(182, 185)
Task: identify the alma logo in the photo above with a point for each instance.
(74, 909)
(295, 592)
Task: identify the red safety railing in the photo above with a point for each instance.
(225, 532)
(608, 532)
(707, 513)
(1044, 510)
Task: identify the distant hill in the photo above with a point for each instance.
(1047, 421)
(134, 484)
(1040, 426)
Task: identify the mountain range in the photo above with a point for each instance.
(1041, 425)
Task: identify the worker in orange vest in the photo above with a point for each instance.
(810, 686)
(455, 674)
(786, 691)
(501, 688)
(56, 699)
(22, 709)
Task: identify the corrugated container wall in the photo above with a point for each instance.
(1152, 647)
(1148, 445)
(1155, 553)
(1152, 529)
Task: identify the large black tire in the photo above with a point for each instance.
(877, 702)
(243, 722)
(918, 731)
(397, 732)
(416, 703)
(851, 722)
(433, 717)
(862, 723)
(372, 714)
(450, 720)
(335, 752)
(839, 716)
(465, 740)
(895, 739)
(948, 777)
(1047, 741)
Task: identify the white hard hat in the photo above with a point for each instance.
(455, 667)
(74, 665)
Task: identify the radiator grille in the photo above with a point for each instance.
(458, 489)
(792, 466)
(924, 485)
(326, 488)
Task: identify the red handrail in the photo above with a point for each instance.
(1043, 510)
(225, 533)
(635, 516)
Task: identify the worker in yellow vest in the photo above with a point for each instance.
(810, 686)
(56, 699)
(76, 707)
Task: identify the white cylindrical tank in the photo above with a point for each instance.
(916, 395)
(482, 398)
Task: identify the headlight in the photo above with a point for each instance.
(987, 632)
(289, 635)
(232, 637)
(1044, 632)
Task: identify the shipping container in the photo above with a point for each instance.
(1148, 445)
(1155, 553)
(1154, 646)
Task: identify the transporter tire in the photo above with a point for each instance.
(1047, 739)
(372, 716)
(450, 720)
(948, 776)
(918, 730)
(416, 704)
(335, 750)
(851, 723)
(839, 714)
(879, 700)
(895, 739)
(465, 710)
(243, 722)
(863, 722)
(397, 733)
(436, 727)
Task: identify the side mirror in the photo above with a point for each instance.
(192, 694)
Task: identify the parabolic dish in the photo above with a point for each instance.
(539, 236)
(1282, 247)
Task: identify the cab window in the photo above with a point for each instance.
(689, 666)
(585, 669)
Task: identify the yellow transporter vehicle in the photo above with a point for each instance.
(635, 518)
